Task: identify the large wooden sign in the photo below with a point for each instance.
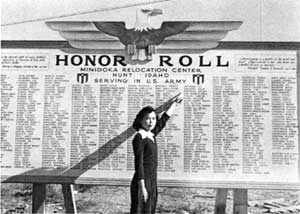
(66, 117)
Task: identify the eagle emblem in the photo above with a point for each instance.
(142, 41)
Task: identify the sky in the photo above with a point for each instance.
(263, 20)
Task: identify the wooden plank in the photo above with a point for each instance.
(220, 204)
(74, 177)
(240, 201)
(262, 202)
(69, 199)
(39, 198)
(290, 209)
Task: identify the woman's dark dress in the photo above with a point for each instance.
(145, 160)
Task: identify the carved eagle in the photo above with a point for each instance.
(143, 40)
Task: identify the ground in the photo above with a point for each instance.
(16, 198)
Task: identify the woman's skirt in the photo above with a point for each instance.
(138, 204)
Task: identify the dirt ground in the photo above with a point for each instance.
(16, 198)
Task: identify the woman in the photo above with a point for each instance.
(144, 183)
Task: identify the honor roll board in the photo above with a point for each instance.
(66, 117)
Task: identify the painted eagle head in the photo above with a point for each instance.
(142, 22)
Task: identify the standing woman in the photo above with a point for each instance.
(144, 183)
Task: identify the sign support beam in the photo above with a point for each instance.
(69, 199)
(240, 201)
(220, 204)
(39, 198)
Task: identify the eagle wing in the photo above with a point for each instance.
(194, 36)
(173, 28)
(116, 29)
(88, 36)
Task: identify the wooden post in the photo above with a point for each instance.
(69, 199)
(220, 204)
(240, 201)
(39, 198)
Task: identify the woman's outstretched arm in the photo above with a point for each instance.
(168, 113)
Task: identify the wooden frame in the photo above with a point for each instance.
(46, 176)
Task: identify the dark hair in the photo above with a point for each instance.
(137, 124)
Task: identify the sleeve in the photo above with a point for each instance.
(161, 123)
(138, 150)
